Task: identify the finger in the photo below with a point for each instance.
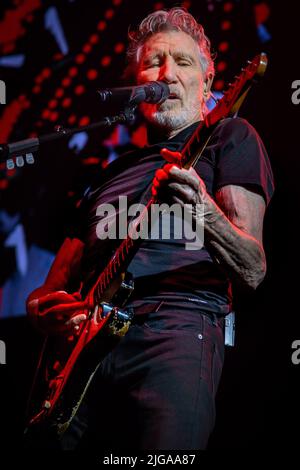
(187, 194)
(158, 188)
(184, 176)
(60, 323)
(76, 320)
(168, 167)
(171, 157)
(161, 175)
(154, 191)
(33, 304)
(32, 308)
(177, 200)
(155, 183)
(58, 297)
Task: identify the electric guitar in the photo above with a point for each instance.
(67, 365)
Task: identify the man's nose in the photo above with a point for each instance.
(168, 72)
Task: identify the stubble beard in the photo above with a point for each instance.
(172, 117)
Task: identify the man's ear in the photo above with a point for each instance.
(207, 86)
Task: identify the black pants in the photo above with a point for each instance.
(156, 389)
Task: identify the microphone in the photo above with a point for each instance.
(151, 92)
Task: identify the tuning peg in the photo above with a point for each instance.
(29, 158)
(10, 164)
(20, 161)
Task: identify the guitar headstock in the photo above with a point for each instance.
(236, 92)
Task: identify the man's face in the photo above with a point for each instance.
(173, 57)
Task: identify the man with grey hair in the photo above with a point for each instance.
(156, 389)
(148, 56)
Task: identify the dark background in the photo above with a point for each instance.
(259, 393)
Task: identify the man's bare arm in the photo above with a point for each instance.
(50, 307)
(233, 229)
(64, 270)
(232, 224)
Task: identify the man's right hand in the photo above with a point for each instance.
(58, 312)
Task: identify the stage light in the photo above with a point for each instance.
(221, 66)
(72, 119)
(80, 58)
(66, 82)
(223, 46)
(87, 48)
(109, 14)
(79, 90)
(228, 6)
(101, 25)
(45, 114)
(119, 48)
(53, 116)
(84, 121)
(219, 85)
(105, 61)
(59, 92)
(66, 102)
(52, 104)
(92, 74)
(36, 89)
(94, 39)
(225, 25)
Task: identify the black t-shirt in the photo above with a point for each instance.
(235, 155)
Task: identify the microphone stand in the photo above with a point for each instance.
(28, 146)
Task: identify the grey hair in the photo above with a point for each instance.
(175, 19)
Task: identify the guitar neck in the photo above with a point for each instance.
(123, 255)
(196, 144)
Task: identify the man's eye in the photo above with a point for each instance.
(183, 63)
(153, 64)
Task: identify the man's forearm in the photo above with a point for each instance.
(64, 270)
(239, 254)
